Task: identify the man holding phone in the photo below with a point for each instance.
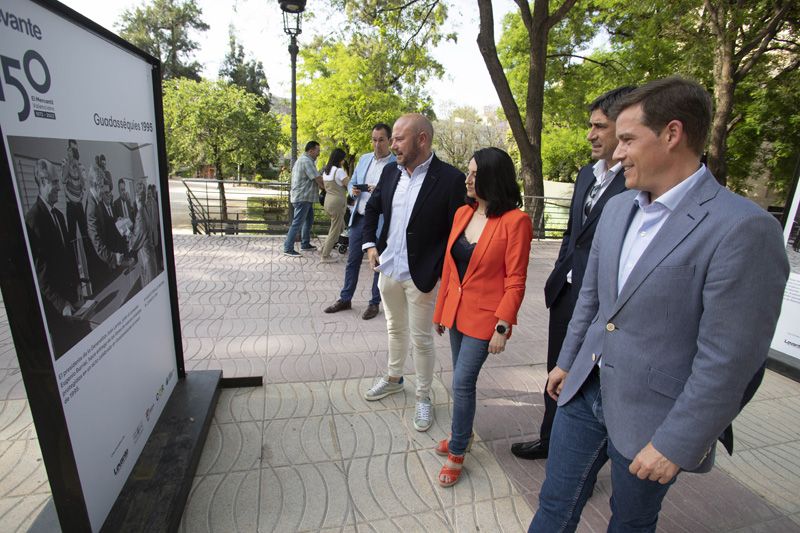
(365, 177)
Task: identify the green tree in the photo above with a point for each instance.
(644, 41)
(162, 30)
(216, 123)
(564, 151)
(527, 129)
(374, 74)
(249, 75)
(744, 33)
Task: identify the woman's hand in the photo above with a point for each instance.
(439, 329)
(497, 343)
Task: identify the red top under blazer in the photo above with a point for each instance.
(494, 283)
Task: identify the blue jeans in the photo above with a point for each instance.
(579, 447)
(354, 258)
(303, 216)
(469, 355)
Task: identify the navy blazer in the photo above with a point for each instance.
(577, 241)
(442, 193)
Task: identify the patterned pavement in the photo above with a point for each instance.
(305, 452)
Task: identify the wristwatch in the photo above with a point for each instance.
(501, 329)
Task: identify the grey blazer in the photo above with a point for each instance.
(690, 327)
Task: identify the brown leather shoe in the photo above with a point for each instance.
(370, 312)
(338, 305)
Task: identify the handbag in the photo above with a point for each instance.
(322, 195)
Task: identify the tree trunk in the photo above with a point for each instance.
(528, 135)
(223, 201)
(724, 87)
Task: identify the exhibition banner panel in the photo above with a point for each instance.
(786, 342)
(79, 125)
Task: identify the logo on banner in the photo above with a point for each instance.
(29, 75)
(121, 462)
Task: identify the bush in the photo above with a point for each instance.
(564, 152)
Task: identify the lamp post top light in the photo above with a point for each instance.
(292, 7)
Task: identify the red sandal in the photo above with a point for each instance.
(451, 473)
(443, 448)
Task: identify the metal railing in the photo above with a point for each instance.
(263, 207)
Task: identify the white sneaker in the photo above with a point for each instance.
(423, 415)
(382, 389)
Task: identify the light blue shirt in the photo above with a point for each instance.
(394, 259)
(368, 171)
(647, 222)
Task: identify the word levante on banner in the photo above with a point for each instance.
(22, 25)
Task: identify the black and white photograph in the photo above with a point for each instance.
(92, 221)
(793, 244)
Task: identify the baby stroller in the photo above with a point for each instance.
(343, 242)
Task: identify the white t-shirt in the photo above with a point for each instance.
(336, 174)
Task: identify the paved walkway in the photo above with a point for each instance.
(306, 452)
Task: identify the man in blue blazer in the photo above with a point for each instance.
(596, 183)
(365, 179)
(418, 198)
(679, 303)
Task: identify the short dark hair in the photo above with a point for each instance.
(605, 102)
(673, 98)
(310, 145)
(120, 181)
(496, 181)
(71, 141)
(384, 127)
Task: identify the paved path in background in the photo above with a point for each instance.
(307, 453)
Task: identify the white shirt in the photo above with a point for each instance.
(373, 176)
(336, 174)
(394, 259)
(647, 222)
(604, 177)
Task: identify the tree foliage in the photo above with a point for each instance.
(162, 29)
(749, 62)
(216, 123)
(247, 74)
(219, 124)
(371, 69)
(525, 112)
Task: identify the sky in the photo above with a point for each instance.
(259, 28)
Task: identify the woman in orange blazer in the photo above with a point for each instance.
(483, 283)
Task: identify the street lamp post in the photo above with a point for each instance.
(292, 9)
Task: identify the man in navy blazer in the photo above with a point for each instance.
(679, 304)
(418, 198)
(596, 183)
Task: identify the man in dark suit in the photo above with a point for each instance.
(596, 183)
(681, 296)
(107, 245)
(122, 206)
(418, 198)
(54, 259)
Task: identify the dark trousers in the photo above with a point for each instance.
(355, 256)
(560, 315)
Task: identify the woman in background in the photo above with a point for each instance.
(335, 179)
(483, 283)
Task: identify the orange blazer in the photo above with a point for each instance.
(494, 283)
